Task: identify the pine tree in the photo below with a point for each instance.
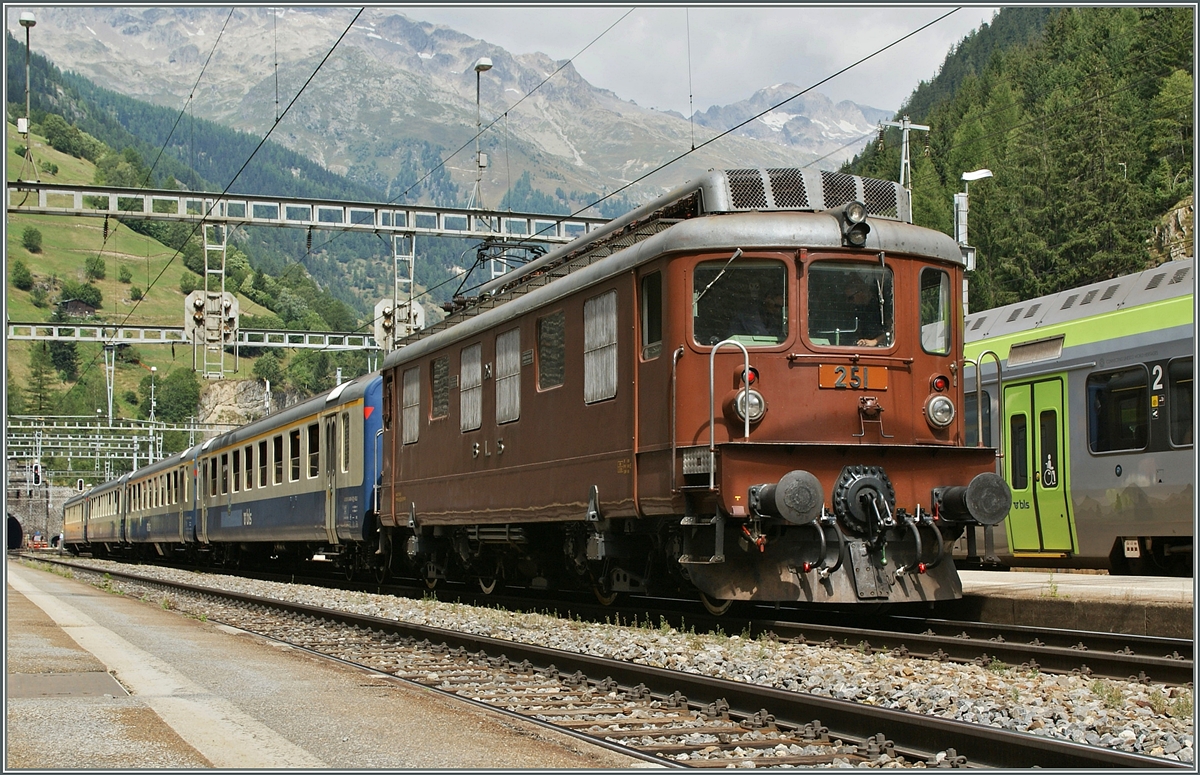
(42, 395)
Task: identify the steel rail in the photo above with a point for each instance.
(988, 746)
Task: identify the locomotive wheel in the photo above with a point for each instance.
(604, 597)
(715, 607)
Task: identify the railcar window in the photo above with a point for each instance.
(225, 473)
(745, 300)
(850, 305)
(439, 378)
(387, 402)
(410, 413)
(972, 424)
(277, 453)
(470, 395)
(600, 348)
(508, 376)
(1179, 375)
(652, 304)
(314, 451)
(211, 465)
(345, 442)
(552, 350)
(262, 463)
(294, 456)
(935, 311)
(250, 467)
(1118, 410)
(1019, 457)
(237, 470)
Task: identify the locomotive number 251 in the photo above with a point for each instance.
(854, 377)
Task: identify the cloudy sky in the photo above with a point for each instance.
(734, 50)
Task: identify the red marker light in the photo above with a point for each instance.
(920, 567)
(807, 567)
(941, 383)
(751, 376)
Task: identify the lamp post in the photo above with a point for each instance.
(961, 208)
(482, 65)
(27, 21)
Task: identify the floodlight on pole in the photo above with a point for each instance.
(27, 20)
(482, 65)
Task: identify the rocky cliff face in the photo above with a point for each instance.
(237, 402)
(393, 79)
(1173, 237)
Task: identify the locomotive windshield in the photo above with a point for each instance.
(744, 300)
(850, 305)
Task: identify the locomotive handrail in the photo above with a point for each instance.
(712, 404)
(674, 381)
(979, 399)
(855, 357)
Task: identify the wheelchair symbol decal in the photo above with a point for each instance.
(1049, 475)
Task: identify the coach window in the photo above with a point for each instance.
(744, 300)
(1118, 410)
(314, 450)
(651, 316)
(470, 394)
(410, 412)
(277, 456)
(249, 466)
(552, 350)
(850, 305)
(439, 387)
(1179, 377)
(237, 470)
(262, 463)
(294, 456)
(508, 376)
(345, 442)
(600, 348)
(935, 311)
(211, 465)
(224, 473)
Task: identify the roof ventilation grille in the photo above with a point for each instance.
(1032, 310)
(1109, 292)
(1014, 314)
(1070, 301)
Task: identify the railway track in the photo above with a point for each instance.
(671, 717)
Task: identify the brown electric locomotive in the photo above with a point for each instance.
(749, 389)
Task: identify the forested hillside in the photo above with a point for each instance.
(1085, 117)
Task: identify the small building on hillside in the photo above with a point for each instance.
(77, 308)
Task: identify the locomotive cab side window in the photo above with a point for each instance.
(935, 311)
(651, 307)
(1179, 386)
(745, 300)
(1118, 410)
(552, 350)
(600, 348)
(850, 305)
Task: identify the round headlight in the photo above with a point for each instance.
(939, 411)
(758, 405)
(855, 212)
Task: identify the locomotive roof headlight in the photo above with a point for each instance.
(940, 383)
(854, 224)
(939, 411)
(758, 405)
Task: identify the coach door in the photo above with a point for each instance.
(1035, 453)
(331, 477)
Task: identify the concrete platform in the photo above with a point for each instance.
(100, 681)
(1138, 605)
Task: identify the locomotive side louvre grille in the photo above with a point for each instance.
(508, 376)
(746, 189)
(1014, 314)
(880, 197)
(1088, 298)
(979, 322)
(1032, 310)
(600, 348)
(1155, 281)
(1109, 292)
(527, 358)
(497, 534)
(440, 384)
(1070, 301)
(1179, 275)
(470, 398)
(787, 187)
(410, 413)
(838, 189)
(453, 381)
